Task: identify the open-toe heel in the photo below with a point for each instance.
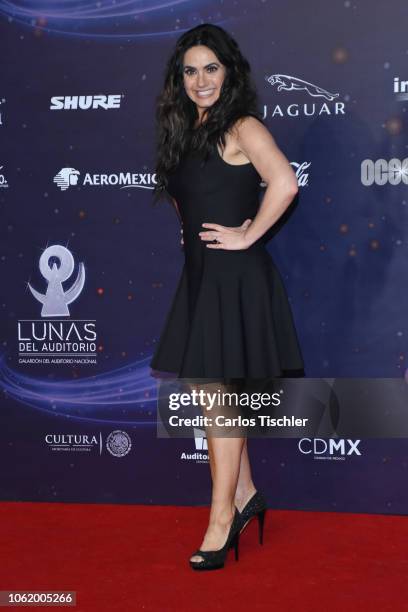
(215, 559)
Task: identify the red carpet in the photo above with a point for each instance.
(135, 558)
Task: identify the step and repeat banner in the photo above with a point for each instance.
(89, 266)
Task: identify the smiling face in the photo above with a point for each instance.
(203, 76)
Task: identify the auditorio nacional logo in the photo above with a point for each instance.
(57, 338)
(320, 101)
(69, 177)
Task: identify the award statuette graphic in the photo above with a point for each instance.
(55, 300)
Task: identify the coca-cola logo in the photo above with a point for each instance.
(301, 174)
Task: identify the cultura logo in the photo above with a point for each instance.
(68, 177)
(104, 102)
(118, 443)
(74, 442)
(290, 84)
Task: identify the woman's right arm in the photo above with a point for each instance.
(179, 216)
(177, 208)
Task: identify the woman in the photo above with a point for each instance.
(230, 320)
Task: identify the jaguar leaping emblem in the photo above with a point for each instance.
(290, 83)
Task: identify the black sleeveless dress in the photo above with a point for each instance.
(230, 317)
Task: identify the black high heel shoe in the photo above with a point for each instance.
(215, 559)
(255, 507)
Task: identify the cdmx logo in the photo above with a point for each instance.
(49, 340)
(68, 177)
(287, 83)
(332, 448)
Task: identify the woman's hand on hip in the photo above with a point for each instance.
(228, 238)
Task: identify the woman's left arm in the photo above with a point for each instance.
(259, 146)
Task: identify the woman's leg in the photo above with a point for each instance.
(224, 454)
(245, 486)
(225, 458)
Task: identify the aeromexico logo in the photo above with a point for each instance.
(324, 102)
(53, 339)
(71, 177)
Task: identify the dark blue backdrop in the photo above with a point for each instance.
(333, 96)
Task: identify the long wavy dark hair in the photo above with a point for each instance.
(176, 114)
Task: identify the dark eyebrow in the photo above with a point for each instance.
(211, 64)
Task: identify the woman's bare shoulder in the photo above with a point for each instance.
(249, 124)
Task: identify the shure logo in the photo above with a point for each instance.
(105, 102)
(382, 172)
